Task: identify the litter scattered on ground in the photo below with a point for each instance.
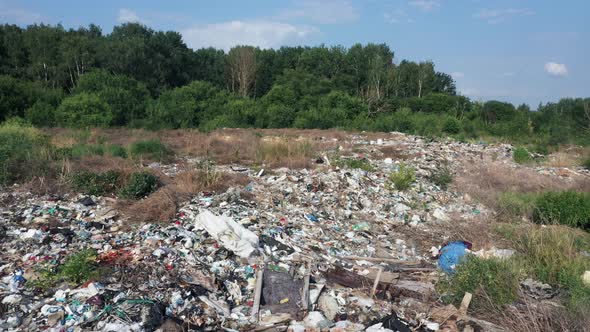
(303, 250)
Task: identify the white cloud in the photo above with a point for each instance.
(493, 16)
(323, 12)
(265, 34)
(17, 15)
(128, 16)
(397, 16)
(508, 74)
(556, 69)
(458, 74)
(425, 5)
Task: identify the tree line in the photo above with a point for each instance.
(138, 77)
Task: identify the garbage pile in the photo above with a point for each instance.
(296, 250)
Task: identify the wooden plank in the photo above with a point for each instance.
(257, 293)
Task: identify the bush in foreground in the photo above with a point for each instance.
(521, 155)
(403, 178)
(98, 184)
(151, 149)
(491, 281)
(21, 145)
(140, 184)
(567, 208)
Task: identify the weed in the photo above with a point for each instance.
(553, 255)
(492, 279)
(151, 149)
(568, 208)
(442, 177)
(285, 152)
(521, 155)
(512, 204)
(354, 163)
(116, 151)
(46, 277)
(21, 145)
(403, 178)
(140, 184)
(96, 183)
(207, 174)
(79, 267)
(81, 150)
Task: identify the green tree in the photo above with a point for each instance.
(84, 110)
(126, 97)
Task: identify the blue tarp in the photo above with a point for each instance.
(451, 254)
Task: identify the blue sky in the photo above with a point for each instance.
(518, 51)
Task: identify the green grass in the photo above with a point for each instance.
(116, 151)
(76, 269)
(521, 155)
(150, 149)
(79, 267)
(586, 163)
(354, 163)
(567, 208)
(402, 179)
(442, 177)
(140, 184)
(24, 152)
(517, 205)
(98, 184)
(553, 255)
(492, 280)
(82, 150)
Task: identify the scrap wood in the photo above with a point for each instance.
(257, 294)
(376, 283)
(465, 304)
(305, 290)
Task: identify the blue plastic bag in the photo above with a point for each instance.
(451, 254)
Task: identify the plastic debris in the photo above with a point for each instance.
(232, 235)
(451, 254)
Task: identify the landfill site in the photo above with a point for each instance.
(357, 233)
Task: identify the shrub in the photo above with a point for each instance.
(492, 280)
(40, 114)
(568, 208)
(126, 97)
(354, 163)
(81, 150)
(452, 126)
(97, 183)
(521, 155)
(442, 177)
(517, 204)
(21, 145)
(116, 151)
(554, 255)
(83, 110)
(403, 178)
(151, 149)
(79, 267)
(140, 184)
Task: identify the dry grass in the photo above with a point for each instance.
(280, 151)
(567, 157)
(485, 181)
(162, 205)
(530, 315)
(224, 146)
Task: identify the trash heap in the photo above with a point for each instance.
(296, 250)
